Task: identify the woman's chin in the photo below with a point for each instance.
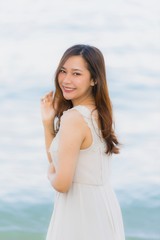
(66, 97)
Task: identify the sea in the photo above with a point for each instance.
(33, 36)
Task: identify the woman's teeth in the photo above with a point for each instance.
(67, 88)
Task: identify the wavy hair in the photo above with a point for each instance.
(96, 66)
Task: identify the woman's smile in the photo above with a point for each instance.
(68, 89)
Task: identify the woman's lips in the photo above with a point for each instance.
(68, 89)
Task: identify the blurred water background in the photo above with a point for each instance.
(33, 36)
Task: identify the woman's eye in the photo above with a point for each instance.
(76, 74)
(62, 71)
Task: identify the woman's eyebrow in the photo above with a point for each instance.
(73, 69)
(76, 69)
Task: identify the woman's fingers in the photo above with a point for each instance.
(51, 93)
(48, 97)
(47, 110)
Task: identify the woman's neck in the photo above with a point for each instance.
(85, 102)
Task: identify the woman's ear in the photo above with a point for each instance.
(93, 82)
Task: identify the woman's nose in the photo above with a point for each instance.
(67, 78)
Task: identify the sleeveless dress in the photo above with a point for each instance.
(89, 210)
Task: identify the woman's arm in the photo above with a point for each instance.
(49, 135)
(71, 135)
(48, 115)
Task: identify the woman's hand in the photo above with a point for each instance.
(48, 113)
(47, 110)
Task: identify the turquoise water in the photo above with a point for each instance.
(24, 221)
(34, 34)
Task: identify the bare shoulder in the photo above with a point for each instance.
(72, 117)
(72, 114)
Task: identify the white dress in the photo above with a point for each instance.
(89, 210)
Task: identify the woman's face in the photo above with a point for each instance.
(75, 80)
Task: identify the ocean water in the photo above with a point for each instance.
(33, 36)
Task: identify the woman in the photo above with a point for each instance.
(79, 146)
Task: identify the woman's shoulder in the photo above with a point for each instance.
(72, 122)
(72, 116)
